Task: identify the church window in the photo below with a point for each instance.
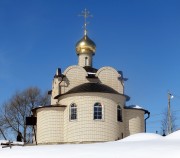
(119, 113)
(97, 111)
(73, 112)
(86, 61)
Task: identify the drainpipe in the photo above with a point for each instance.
(147, 112)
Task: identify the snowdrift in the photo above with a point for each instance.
(142, 137)
(174, 136)
(142, 145)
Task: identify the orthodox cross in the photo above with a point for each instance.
(85, 14)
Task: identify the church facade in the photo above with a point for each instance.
(87, 104)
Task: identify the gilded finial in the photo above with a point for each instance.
(85, 14)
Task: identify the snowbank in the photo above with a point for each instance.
(135, 146)
(3, 141)
(174, 136)
(142, 137)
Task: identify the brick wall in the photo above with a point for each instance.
(50, 125)
(134, 121)
(85, 128)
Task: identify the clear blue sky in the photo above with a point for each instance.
(139, 37)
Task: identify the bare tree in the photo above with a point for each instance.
(14, 112)
(165, 124)
(2, 131)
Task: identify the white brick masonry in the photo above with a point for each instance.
(85, 128)
(50, 125)
(109, 76)
(134, 121)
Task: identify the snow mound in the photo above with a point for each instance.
(174, 135)
(142, 137)
(135, 107)
(3, 141)
(13, 142)
(137, 146)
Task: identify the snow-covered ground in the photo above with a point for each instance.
(143, 145)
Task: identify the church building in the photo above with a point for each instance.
(87, 104)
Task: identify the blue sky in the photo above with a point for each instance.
(139, 37)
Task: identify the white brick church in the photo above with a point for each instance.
(87, 104)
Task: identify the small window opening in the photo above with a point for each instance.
(119, 113)
(86, 61)
(73, 112)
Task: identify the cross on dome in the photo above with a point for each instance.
(85, 14)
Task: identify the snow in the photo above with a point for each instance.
(91, 73)
(3, 141)
(142, 137)
(135, 107)
(142, 145)
(174, 136)
(12, 142)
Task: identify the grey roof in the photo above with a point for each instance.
(134, 107)
(48, 106)
(90, 69)
(93, 87)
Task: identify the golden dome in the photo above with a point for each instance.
(85, 45)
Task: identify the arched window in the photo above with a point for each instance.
(97, 111)
(119, 113)
(73, 112)
(86, 61)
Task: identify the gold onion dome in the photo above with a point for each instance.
(85, 45)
